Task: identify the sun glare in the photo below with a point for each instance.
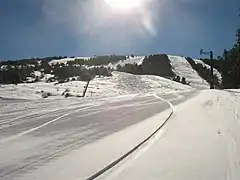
(124, 4)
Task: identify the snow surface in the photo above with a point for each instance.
(33, 143)
(118, 84)
(87, 160)
(131, 60)
(234, 90)
(201, 141)
(37, 73)
(65, 60)
(182, 68)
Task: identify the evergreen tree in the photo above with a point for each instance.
(184, 80)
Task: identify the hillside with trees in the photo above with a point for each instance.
(158, 64)
(229, 66)
(204, 72)
(19, 71)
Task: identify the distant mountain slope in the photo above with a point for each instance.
(33, 70)
(65, 60)
(130, 60)
(182, 68)
(215, 71)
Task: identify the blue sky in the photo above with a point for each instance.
(38, 28)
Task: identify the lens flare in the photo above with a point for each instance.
(124, 4)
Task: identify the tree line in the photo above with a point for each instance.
(204, 72)
(158, 64)
(14, 72)
(63, 72)
(229, 66)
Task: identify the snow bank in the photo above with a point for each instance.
(201, 141)
(233, 90)
(182, 68)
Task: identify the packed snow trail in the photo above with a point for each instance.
(144, 142)
(38, 143)
(201, 141)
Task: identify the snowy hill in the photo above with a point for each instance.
(65, 60)
(118, 84)
(209, 126)
(173, 131)
(129, 60)
(182, 68)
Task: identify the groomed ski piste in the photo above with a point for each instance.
(200, 140)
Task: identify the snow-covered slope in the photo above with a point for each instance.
(131, 60)
(118, 84)
(179, 64)
(182, 68)
(201, 141)
(65, 60)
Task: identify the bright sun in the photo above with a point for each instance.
(124, 4)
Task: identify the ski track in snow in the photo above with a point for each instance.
(232, 105)
(138, 152)
(55, 145)
(202, 140)
(38, 127)
(72, 144)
